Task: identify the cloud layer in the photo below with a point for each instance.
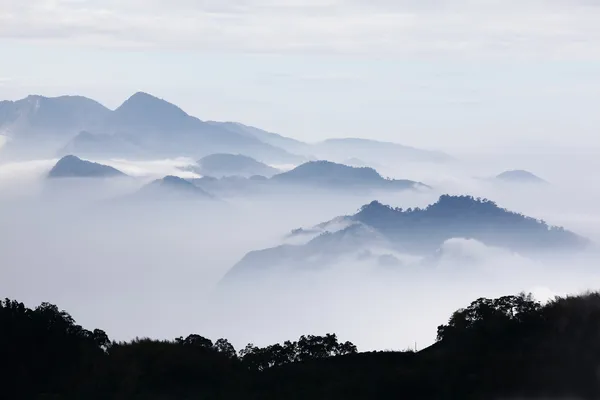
(548, 29)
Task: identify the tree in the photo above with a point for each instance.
(195, 340)
(223, 346)
(490, 316)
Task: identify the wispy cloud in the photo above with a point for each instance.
(549, 28)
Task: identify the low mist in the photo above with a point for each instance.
(155, 269)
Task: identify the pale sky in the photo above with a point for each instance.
(429, 73)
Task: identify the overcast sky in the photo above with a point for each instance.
(433, 73)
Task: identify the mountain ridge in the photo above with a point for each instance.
(71, 166)
(411, 232)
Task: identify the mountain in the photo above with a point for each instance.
(37, 123)
(160, 128)
(220, 165)
(332, 175)
(143, 110)
(273, 139)
(379, 230)
(315, 175)
(373, 151)
(74, 167)
(424, 230)
(63, 116)
(519, 176)
(144, 126)
(104, 145)
(171, 188)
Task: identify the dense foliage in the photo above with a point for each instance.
(495, 348)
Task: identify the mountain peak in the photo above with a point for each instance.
(173, 188)
(519, 175)
(71, 166)
(150, 110)
(143, 95)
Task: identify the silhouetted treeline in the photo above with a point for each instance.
(495, 348)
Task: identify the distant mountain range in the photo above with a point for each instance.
(74, 167)
(385, 235)
(333, 175)
(221, 165)
(145, 126)
(375, 152)
(321, 175)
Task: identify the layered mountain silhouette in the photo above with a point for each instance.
(220, 165)
(38, 125)
(171, 188)
(74, 167)
(38, 115)
(519, 176)
(317, 175)
(332, 175)
(145, 126)
(382, 230)
(373, 151)
(288, 144)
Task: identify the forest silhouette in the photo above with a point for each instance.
(511, 346)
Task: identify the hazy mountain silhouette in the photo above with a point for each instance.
(236, 186)
(291, 145)
(171, 188)
(424, 230)
(74, 167)
(220, 165)
(104, 145)
(316, 175)
(143, 126)
(415, 232)
(143, 110)
(36, 124)
(64, 115)
(373, 151)
(519, 176)
(332, 175)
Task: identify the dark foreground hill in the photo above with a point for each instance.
(509, 347)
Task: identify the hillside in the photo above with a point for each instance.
(375, 152)
(507, 347)
(288, 144)
(171, 188)
(332, 175)
(220, 165)
(378, 234)
(144, 126)
(74, 167)
(467, 217)
(55, 116)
